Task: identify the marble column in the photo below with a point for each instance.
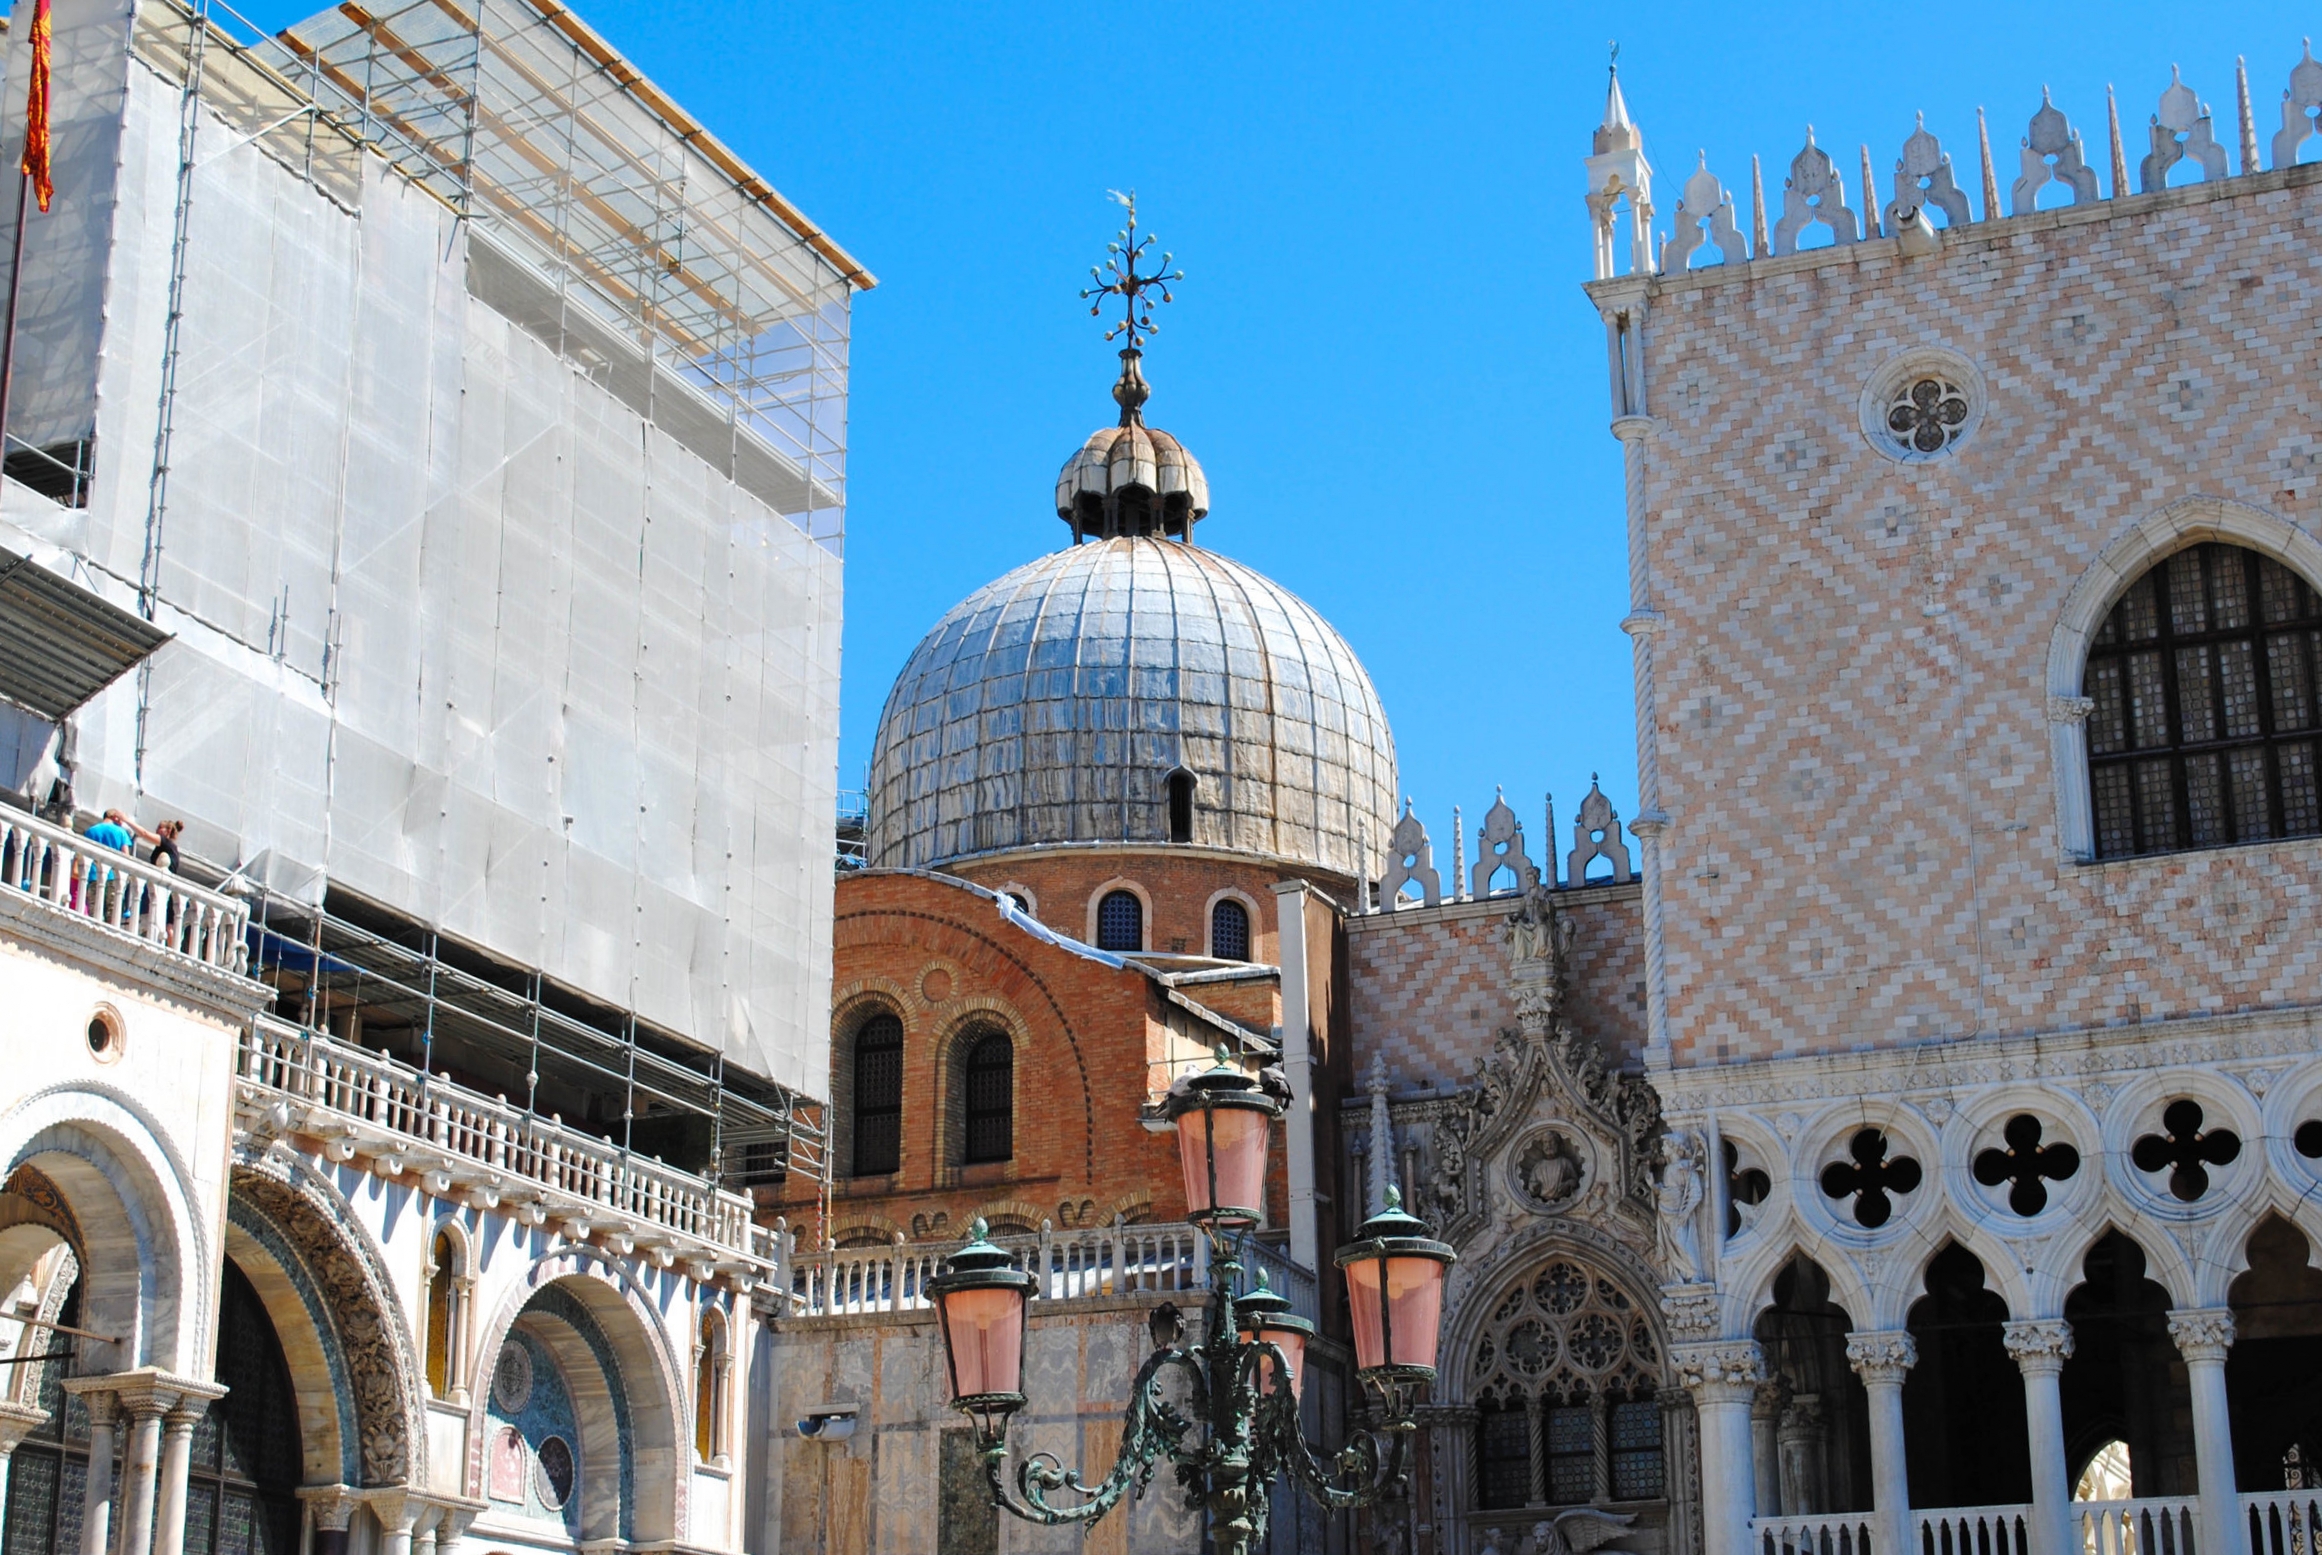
(141, 1468)
(1765, 1420)
(396, 1510)
(1724, 1376)
(2041, 1347)
(17, 1421)
(2203, 1335)
(177, 1429)
(1536, 1432)
(97, 1501)
(1882, 1359)
(332, 1507)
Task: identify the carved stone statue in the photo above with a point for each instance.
(1550, 1171)
(1676, 1244)
(1576, 1532)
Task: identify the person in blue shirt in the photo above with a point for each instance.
(112, 832)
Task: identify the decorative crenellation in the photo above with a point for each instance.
(2053, 162)
(1501, 866)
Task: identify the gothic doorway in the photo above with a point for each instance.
(2276, 1355)
(2125, 1382)
(241, 1496)
(1963, 1403)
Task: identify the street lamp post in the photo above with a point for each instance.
(1240, 1431)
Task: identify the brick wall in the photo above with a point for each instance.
(1429, 985)
(1851, 691)
(1177, 883)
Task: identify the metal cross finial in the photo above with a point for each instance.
(1119, 277)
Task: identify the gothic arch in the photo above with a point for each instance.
(619, 1324)
(145, 1263)
(1492, 1278)
(2189, 521)
(327, 1290)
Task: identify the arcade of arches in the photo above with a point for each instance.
(2122, 1397)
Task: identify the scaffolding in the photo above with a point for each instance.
(372, 978)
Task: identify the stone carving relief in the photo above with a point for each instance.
(1410, 860)
(2051, 154)
(1923, 178)
(2181, 115)
(1549, 1172)
(1676, 1245)
(1814, 192)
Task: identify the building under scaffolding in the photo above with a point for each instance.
(473, 423)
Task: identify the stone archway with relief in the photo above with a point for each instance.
(355, 1371)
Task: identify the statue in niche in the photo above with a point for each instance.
(1676, 1246)
(1550, 1170)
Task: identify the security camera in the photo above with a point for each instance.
(827, 1425)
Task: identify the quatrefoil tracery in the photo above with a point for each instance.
(1743, 1185)
(2185, 1150)
(1870, 1178)
(2024, 1163)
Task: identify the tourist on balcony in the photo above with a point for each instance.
(164, 840)
(113, 832)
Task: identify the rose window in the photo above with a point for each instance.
(1564, 1378)
(1925, 416)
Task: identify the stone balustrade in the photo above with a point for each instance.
(1082, 1265)
(2148, 1525)
(1809, 1533)
(489, 1154)
(2283, 1522)
(121, 893)
(1975, 1530)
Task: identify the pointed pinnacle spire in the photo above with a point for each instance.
(2120, 183)
(1616, 107)
(2249, 144)
(1757, 208)
(1990, 175)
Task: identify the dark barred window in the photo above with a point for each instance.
(1229, 931)
(1636, 1450)
(1503, 1454)
(1571, 1454)
(2204, 683)
(1120, 922)
(991, 1098)
(878, 1096)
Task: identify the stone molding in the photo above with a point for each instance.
(1882, 1356)
(1726, 1371)
(209, 992)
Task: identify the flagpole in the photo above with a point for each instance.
(15, 287)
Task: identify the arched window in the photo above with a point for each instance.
(712, 1369)
(878, 1100)
(1120, 922)
(989, 1082)
(1181, 806)
(442, 1310)
(1566, 1346)
(1229, 930)
(1503, 1454)
(2204, 678)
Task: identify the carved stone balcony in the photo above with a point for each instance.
(460, 1144)
(58, 882)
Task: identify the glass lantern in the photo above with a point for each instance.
(1265, 1314)
(982, 1304)
(1394, 1293)
(1223, 1120)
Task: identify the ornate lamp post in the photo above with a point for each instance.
(1240, 1430)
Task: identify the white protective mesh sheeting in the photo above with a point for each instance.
(459, 629)
(1051, 705)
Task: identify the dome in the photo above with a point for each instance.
(1053, 705)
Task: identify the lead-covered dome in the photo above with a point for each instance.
(1053, 705)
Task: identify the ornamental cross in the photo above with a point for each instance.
(1870, 1178)
(2185, 1150)
(1120, 277)
(2024, 1162)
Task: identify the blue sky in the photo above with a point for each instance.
(1381, 353)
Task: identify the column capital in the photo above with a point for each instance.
(1634, 429)
(2202, 1333)
(1722, 1371)
(17, 1421)
(1882, 1355)
(333, 1506)
(2038, 1345)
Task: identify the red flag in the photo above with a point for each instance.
(36, 110)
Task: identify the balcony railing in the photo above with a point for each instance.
(1115, 1260)
(2148, 1525)
(2284, 1522)
(1975, 1530)
(124, 895)
(361, 1103)
(1812, 1533)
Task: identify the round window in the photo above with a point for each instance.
(554, 1476)
(1922, 405)
(104, 1035)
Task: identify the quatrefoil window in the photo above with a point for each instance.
(1743, 1185)
(2308, 1139)
(2185, 1150)
(2024, 1163)
(1870, 1178)
(1926, 415)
